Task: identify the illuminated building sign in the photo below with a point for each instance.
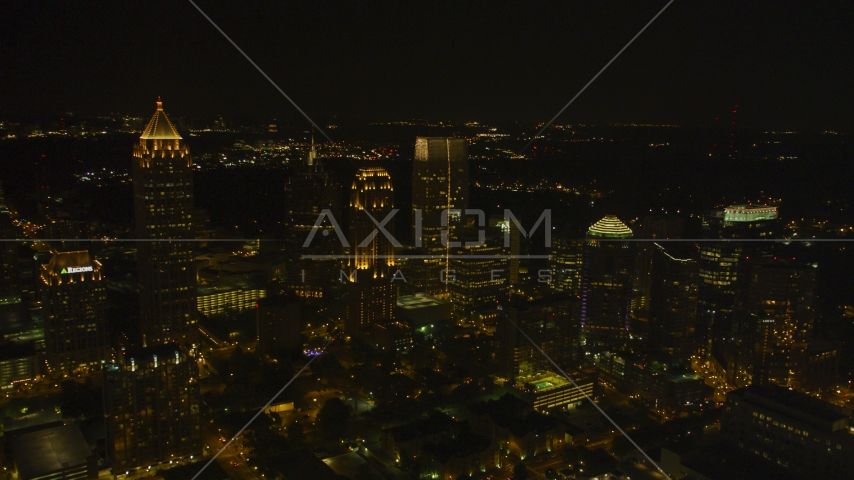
(77, 269)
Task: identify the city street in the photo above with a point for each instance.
(228, 458)
(641, 471)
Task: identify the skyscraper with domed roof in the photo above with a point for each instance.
(163, 207)
(606, 283)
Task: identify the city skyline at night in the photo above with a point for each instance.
(476, 241)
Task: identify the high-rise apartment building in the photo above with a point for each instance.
(674, 282)
(371, 294)
(151, 403)
(73, 296)
(606, 283)
(163, 203)
(440, 179)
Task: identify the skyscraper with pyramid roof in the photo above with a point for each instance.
(163, 204)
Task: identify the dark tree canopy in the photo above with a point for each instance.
(521, 472)
(332, 417)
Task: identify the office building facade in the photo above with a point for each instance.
(479, 275)
(440, 178)
(803, 434)
(566, 258)
(773, 323)
(673, 287)
(550, 324)
(721, 268)
(652, 227)
(73, 299)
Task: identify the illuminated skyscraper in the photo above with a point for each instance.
(371, 295)
(606, 283)
(163, 203)
(151, 404)
(440, 178)
(73, 296)
(721, 265)
(371, 195)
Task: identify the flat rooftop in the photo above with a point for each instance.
(725, 461)
(418, 301)
(685, 377)
(210, 289)
(45, 451)
(347, 464)
(31, 420)
(543, 384)
(787, 402)
(546, 382)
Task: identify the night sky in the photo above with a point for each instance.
(787, 64)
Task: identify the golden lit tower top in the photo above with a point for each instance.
(160, 138)
(372, 192)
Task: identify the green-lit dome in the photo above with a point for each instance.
(609, 227)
